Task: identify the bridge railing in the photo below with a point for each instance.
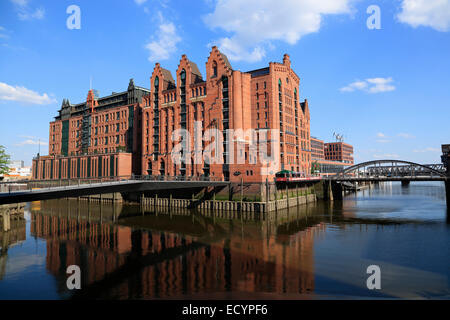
(21, 185)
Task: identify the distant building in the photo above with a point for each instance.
(332, 157)
(16, 164)
(327, 167)
(339, 151)
(317, 149)
(18, 171)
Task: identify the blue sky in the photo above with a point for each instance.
(386, 90)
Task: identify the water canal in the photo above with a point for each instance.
(315, 251)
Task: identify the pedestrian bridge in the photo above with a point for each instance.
(45, 190)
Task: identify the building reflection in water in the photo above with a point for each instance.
(126, 253)
(8, 239)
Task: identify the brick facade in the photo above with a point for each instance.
(317, 149)
(141, 122)
(82, 166)
(339, 151)
(266, 98)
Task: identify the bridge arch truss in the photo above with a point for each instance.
(394, 168)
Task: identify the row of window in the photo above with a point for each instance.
(111, 116)
(198, 92)
(111, 139)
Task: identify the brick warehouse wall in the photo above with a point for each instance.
(140, 122)
(226, 99)
(82, 167)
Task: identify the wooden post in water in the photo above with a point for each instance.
(287, 196)
(276, 196)
(89, 209)
(447, 196)
(296, 192)
(6, 221)
(242, 193)
(114, 211)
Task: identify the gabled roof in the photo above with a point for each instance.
(195, 69)
(225, 59)
(167, 75)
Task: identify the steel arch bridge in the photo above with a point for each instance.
(393, 170)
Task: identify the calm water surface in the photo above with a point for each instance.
(311, 252)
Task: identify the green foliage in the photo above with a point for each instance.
(4, 161)
(315, 167)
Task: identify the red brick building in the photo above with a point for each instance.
(141, 123)
(317, 149)
(96, 138)
(339, 151)
(261, 99)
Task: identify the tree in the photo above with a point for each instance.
(4, 161)
(315, 167)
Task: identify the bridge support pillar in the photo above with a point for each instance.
(327, 190)
(405, 183)
(337, 191)
(447, 195)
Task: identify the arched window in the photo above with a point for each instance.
(279, 85)
(214, 69)
(156, 83)
(196, 92)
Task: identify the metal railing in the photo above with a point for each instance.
(65, 183)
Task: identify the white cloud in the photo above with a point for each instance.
(165, 43)
(371, 85)
(428, 13)
(382, 138)
(32, 142)
(25, 12)
(255, 23)
(427, 150)
(20, 3)
(406, 135)
(36, 14)
(386, 156)
(3, 34)
(22, 94)
(139, 2)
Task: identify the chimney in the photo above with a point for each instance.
(287, 61)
